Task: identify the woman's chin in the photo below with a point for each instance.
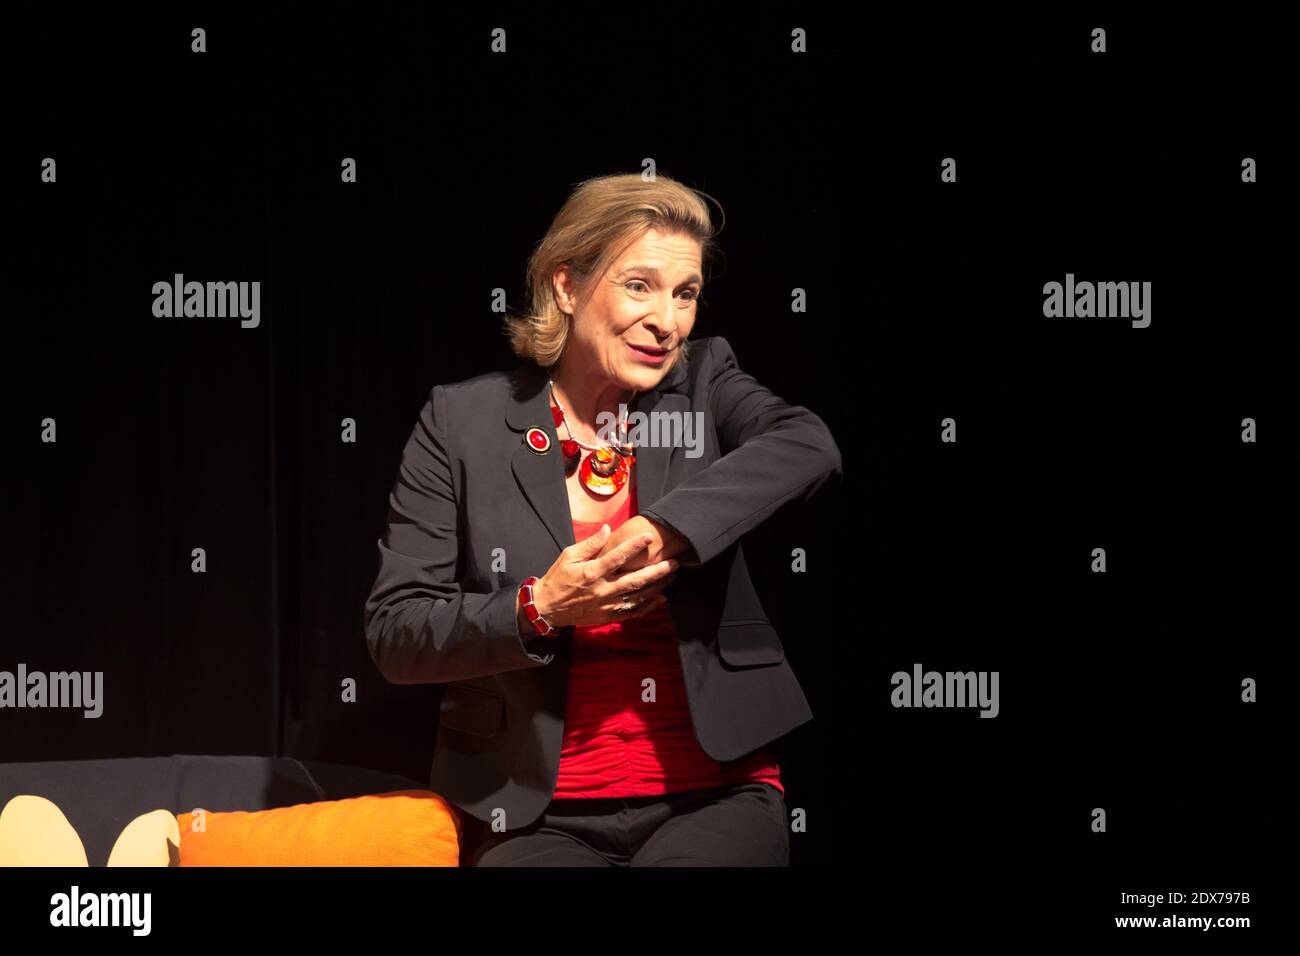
(643, 378)
(645, 382)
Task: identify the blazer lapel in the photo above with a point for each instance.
(540, 476)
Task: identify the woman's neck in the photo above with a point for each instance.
(584, 398)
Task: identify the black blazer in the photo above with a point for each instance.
(468, 486)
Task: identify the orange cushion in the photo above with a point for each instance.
(401, 828)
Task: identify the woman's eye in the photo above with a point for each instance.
(690, 293)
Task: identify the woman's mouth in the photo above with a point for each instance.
(650, 354)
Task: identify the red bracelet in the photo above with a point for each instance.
(533, 615)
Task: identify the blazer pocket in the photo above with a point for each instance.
(749, 644)
(471, 710)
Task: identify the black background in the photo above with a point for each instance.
(1118, 690)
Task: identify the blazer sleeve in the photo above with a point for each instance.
(772, 453)
(420, 626)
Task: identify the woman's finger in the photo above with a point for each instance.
(644, 608)
(641, 577)
(615, 559)
(590, 546)
(639, 596)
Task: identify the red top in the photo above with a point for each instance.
(616, 744)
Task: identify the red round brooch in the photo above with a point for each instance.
(537, 440)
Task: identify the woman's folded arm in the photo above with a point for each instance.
(772, 453)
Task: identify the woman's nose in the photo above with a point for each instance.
(664, 322)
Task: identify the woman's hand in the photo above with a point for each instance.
(587, 582)
(665, 542)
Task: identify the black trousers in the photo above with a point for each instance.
(744, 824)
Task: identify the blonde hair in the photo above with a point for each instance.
(601, 218)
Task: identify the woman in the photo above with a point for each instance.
(613, 682)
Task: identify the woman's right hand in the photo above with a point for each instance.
(582, 589)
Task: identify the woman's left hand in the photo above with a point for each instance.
(665, 542)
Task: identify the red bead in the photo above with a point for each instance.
(557, 415)
(569, 447)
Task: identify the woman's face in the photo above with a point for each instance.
(639, 313)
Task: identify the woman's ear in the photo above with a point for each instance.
(34, 832)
